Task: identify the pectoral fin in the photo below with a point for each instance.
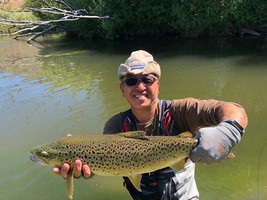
(69, 184)
(136, 179)
(178, 165)
(141, 135)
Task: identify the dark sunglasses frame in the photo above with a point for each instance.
(132, 81)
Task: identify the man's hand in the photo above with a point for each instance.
(215, 143)
(79, 170)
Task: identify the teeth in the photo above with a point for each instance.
(140, 96)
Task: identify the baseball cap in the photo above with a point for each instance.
(139, 62)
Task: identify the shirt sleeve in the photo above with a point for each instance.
(114, 124)
(191, 114)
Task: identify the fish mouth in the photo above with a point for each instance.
(34, 159)
(38, 160)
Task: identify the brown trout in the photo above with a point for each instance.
(127, 154)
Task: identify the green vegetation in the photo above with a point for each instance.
(181, 18)
(27, 16)
(185, 18)
(6, 7)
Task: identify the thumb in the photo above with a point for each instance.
(195, 154)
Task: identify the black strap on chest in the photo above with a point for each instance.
(164, 125)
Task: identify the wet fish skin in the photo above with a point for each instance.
(125, 154)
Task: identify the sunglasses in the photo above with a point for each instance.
(146, 80)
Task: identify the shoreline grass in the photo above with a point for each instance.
(13, 10)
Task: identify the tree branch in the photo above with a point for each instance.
(41, 28)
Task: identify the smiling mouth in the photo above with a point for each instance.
(140, 96)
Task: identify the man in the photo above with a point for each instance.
(218, 126)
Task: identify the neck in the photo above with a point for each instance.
(146, 114)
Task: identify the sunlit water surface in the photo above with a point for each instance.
(62, 87)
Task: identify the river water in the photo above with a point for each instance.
(57, 87)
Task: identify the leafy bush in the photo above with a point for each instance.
(157, 17)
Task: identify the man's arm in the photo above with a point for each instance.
(191, 114)
(114, 124)
(216, 142)
(230, 111)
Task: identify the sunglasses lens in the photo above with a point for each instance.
(131, 81)
(147, 80)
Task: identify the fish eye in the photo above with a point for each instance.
(45, 153)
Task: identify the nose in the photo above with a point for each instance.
(140, 84)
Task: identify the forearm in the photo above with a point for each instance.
(233, 111)
(217, 141)
(114, 125)
(192, 114)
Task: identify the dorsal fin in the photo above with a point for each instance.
(141, 135)
(186, 134)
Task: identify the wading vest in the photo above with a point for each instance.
(165, 126)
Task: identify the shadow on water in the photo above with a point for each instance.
(210, 48)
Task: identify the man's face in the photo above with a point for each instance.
(141, 91)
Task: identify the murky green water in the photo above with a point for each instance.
(63, 87)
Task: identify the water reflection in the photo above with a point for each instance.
(72, 87)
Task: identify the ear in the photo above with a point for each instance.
(121, 88)
(158, 83)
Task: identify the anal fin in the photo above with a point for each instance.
(136, 179)
(69, 184)
(178, 165)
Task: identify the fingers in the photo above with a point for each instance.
(194, 157)
(56, 170)
(77, 168)
(87, 171)
(62, 171)
(81, 170)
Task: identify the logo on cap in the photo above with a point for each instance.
(137, 67)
